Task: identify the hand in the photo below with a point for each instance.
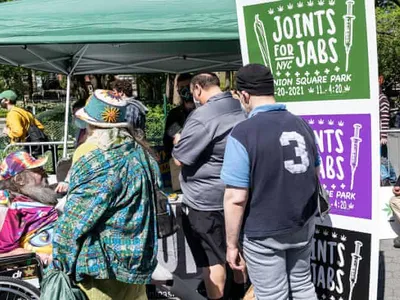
(62, 188)
(46, 259)
(384, 141)
(177, 138)
(396, 190)
(5, 130)
(235, 259)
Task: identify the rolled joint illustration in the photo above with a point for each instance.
(262, 41)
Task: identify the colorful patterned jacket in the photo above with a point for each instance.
(108, 229)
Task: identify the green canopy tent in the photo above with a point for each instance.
(121, 36)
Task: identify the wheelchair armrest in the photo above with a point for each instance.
(16, 258)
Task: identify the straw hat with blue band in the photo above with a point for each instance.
(104, 109)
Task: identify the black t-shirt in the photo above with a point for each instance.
(178, 116)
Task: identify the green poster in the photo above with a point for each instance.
(317, 49)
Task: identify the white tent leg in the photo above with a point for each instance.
(65, 146)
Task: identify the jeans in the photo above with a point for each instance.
(279, 266)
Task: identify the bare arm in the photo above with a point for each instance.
(177, 162)
(16, 251)
(177, 138)
(235, 201)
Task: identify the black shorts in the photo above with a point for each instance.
(205, 234)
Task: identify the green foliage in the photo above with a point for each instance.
(386, 3)
(53, 121)
(12, 78)
(155, 123)
(3, 113)
(151, 86)
(388, 35)
(56, 113)
(388, 210)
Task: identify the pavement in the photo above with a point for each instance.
(389, 271)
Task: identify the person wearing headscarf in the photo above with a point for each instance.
(106, 239)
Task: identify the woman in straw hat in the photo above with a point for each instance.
(107, 237)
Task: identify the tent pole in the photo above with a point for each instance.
(65, 149)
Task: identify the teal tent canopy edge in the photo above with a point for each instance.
(89, 21)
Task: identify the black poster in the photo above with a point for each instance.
(340, 264)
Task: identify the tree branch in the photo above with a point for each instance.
(385, 33)
(397, 2)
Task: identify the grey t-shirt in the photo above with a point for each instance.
(201, 151)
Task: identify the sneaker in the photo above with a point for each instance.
(396, 242)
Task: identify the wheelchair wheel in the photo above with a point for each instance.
(16, 289)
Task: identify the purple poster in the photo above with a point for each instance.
(344, 143)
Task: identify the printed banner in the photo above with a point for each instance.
(340, 264)
(344, 142)
(317, 49)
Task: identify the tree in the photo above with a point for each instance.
(388, 38)
(13, 78)
(385, 3)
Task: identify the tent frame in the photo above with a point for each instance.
(74, 61)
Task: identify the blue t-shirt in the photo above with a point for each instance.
(274, 155)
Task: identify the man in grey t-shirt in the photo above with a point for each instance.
(200, 150)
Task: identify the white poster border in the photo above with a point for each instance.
(354, 107)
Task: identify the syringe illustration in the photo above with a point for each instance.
(348, 30)
(354, 268)
(259, 30)
(355, 152)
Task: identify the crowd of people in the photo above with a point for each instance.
(237, 153)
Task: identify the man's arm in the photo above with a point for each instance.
(191, 143)
(236, 176)
(167, 140)
(38, 124)
(384, 114)
(235, 202)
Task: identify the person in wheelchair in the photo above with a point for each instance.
(27, 207)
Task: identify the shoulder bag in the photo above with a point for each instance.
(166, 221)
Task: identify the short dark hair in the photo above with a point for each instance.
(184, 77)
(206, 80)
(124, 86)
(78, 104)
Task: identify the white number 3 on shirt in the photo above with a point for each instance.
(300, 151)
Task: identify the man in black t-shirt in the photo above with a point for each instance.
(177, 116)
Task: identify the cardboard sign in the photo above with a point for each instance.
(340, 263)
(323, 57)
(316, 49)
(344, 145)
